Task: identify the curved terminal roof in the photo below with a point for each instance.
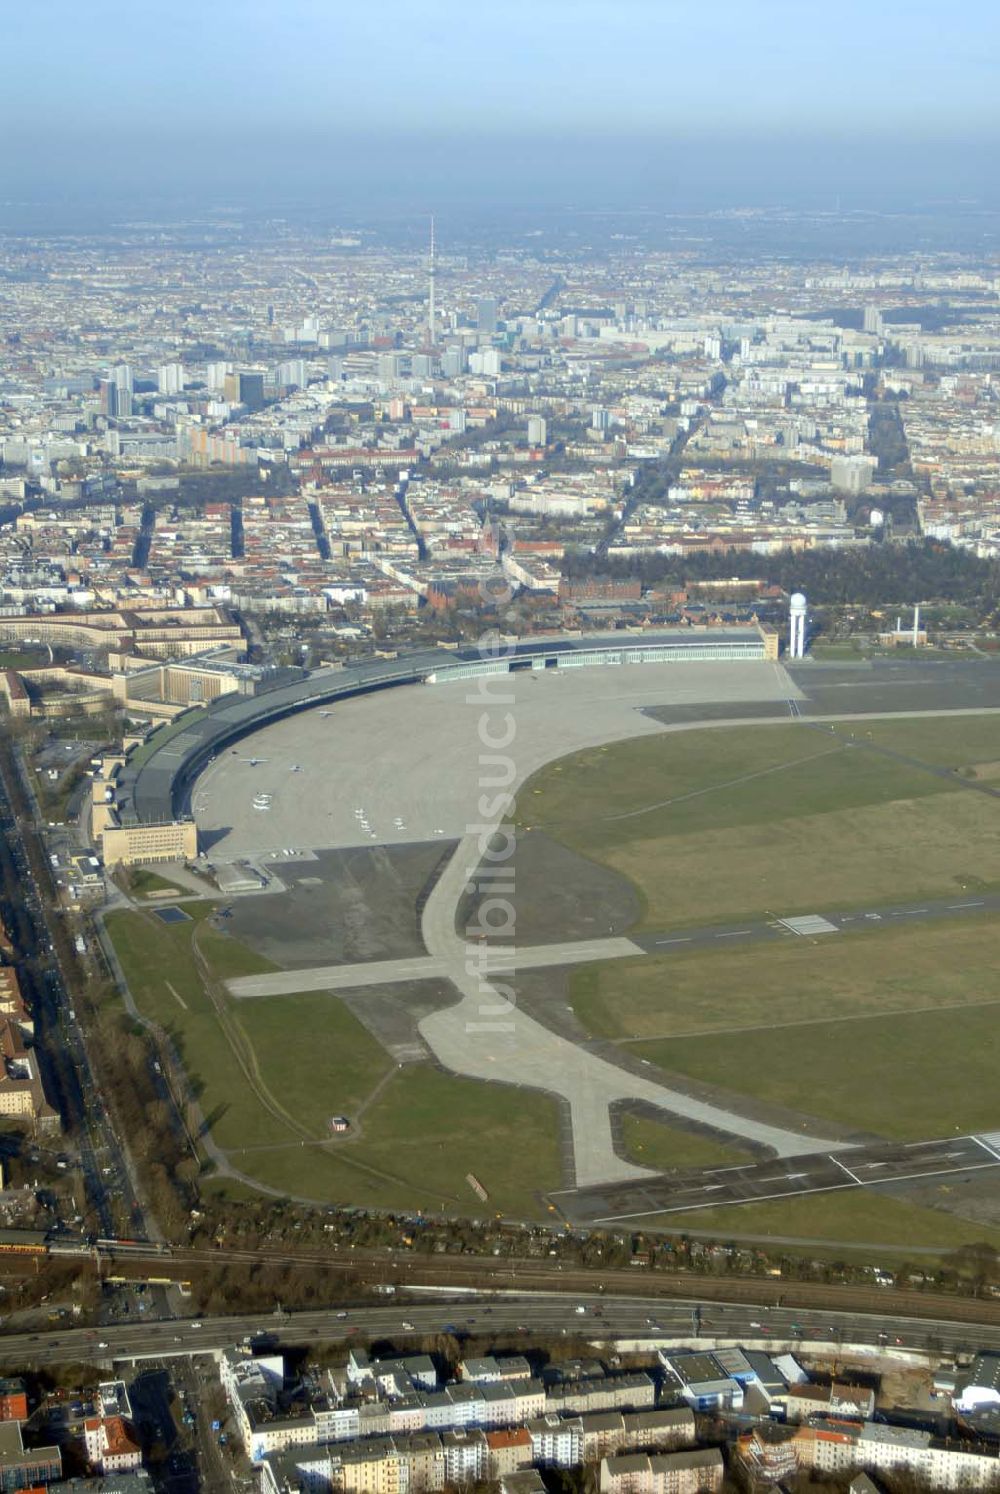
(154, 785)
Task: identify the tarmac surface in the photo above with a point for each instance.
(492, 959)
(880, 1164)
(412, 764)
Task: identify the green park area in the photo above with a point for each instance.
(268, 1075)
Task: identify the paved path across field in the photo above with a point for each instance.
(486, 1036)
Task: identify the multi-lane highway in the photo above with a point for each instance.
(513, 1319)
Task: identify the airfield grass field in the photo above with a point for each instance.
(269, 1074)
(937, 966)
(855, 1216)
(653, 1143)
(715, 824)
(891, 1031)
(144, 883)
(427, 1131)
(910, 1076)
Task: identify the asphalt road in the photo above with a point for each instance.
(514, 1319)
(66, 1065)
(874, 1165)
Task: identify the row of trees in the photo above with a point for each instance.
(872, 576)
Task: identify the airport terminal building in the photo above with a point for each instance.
(152, 788)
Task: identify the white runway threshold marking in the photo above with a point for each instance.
(852, 1175)
(809, 924)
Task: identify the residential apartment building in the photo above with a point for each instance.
(690, 1472)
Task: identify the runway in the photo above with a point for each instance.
(869, 1166)
(496, 959)
(811, 926)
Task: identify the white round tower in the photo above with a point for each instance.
(797, 611)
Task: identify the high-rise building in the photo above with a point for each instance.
(170, 378)
(107, 395)
(243, 388)
(453, 362)
(486, 315)
(852, 474)
(388, 367)
(292, 375)
(485, 362)
(215, 374)
(873, 320)
(537, 430)
(122, 375)
(431, 309)
(600, 419)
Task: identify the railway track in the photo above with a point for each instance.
(372, 1268)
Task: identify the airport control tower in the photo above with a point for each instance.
(797, 626)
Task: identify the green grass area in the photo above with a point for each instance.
(653, 1143)
(912, 1075)
(15, 658)
(845, 650)
(226, 956)
(947, 741)
(314, 1048)
(164, 979)
(411, 1148)
(711, 825)
(423, 1135)
(927, 847)
(677, 783)
(857, 1215)
(229, 1190)
(842, 977)
(142, 882)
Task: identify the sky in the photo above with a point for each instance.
(733, 101)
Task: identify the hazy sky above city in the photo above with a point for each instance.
(740, 100)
